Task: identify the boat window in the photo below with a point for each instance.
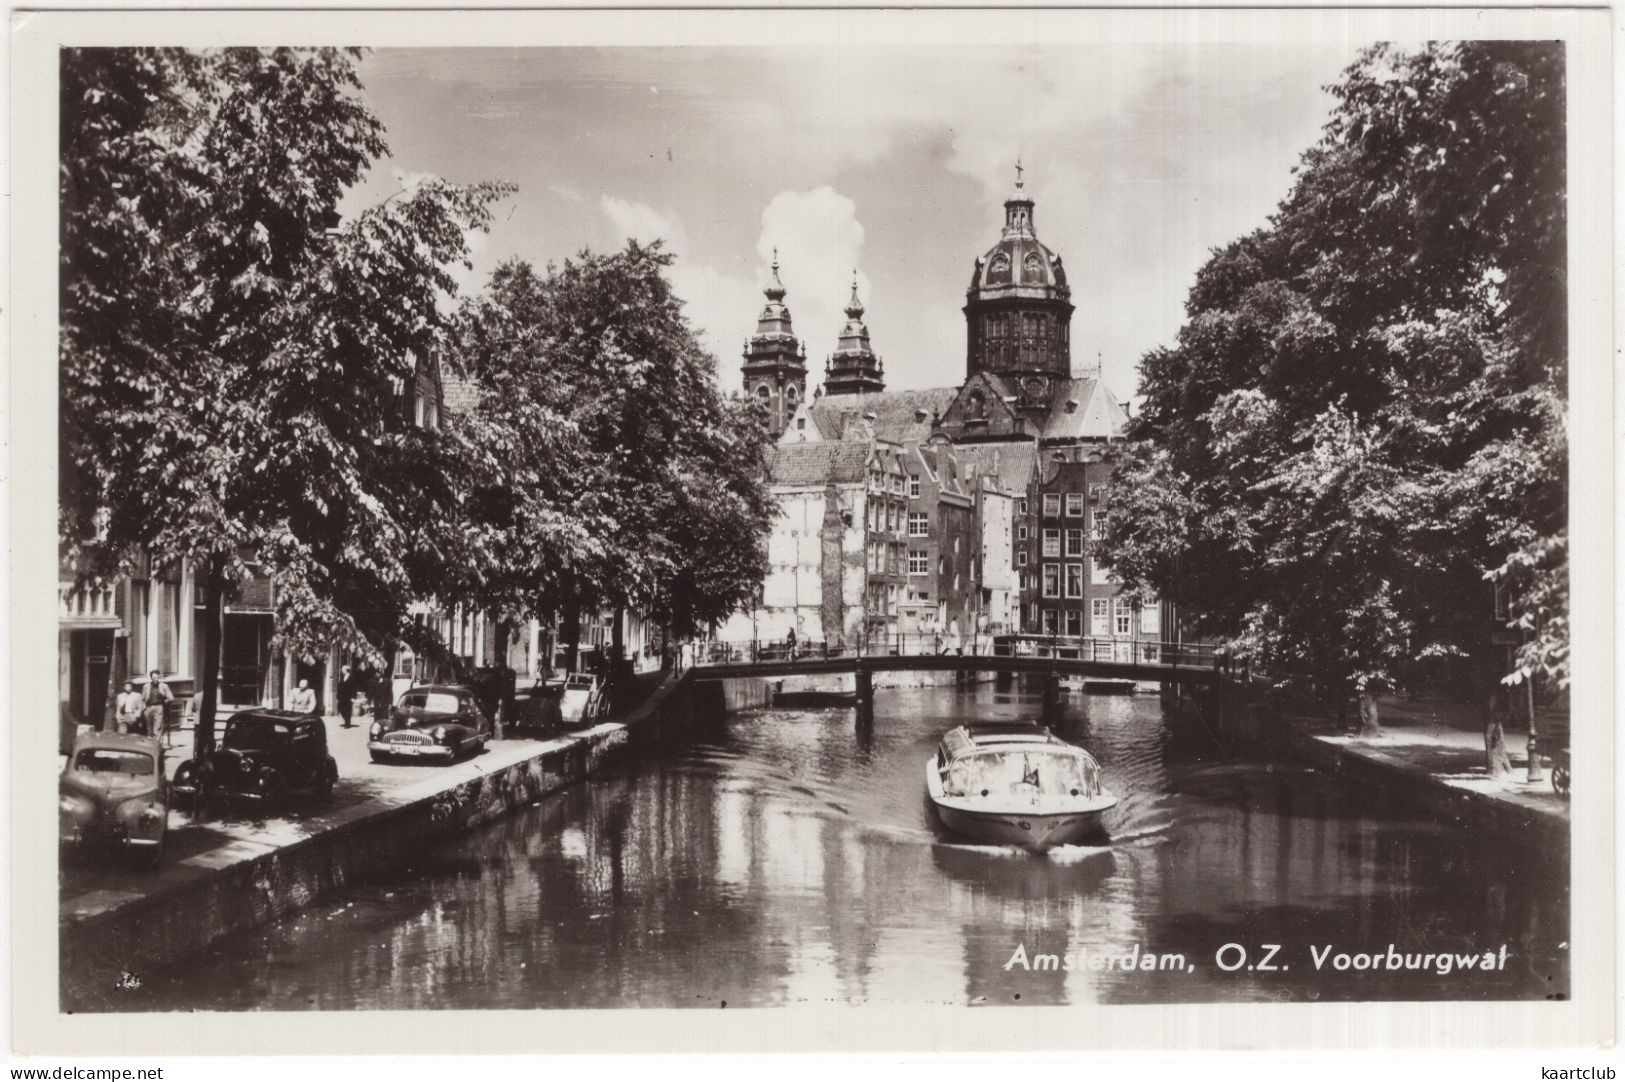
(114, 761)
(1022, 772)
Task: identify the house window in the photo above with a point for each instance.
(942, 565)
(1021, 507)
(956, 546)
(1151, 619)
(1074, 623)
(919, 563)
(1052, 580)
(1074, 580)
(1052, 505)
(801, 422)
(1049, 621)
(1074, 505)
(1097, 493)
(1021, 533)
(1052, 542)
(1021, 558)
(1097, 573)
(1097, 522)
(1123, 621)
(763, 393)
(1100, 617)
(914, 486)
(1074, 542)
(916, 524)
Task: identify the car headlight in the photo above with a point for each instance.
(70, 805)
(377, 730)
(440, 734)
(135, 808)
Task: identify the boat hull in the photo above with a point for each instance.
(1029, 831)
(1031, 828)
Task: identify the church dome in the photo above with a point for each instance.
(1019, 265)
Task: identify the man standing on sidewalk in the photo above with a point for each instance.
(346, 694)
(154, 697)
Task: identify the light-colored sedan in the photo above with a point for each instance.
(113, 795)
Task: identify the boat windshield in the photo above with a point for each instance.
(1026, 772)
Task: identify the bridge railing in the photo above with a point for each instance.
(1125, 651)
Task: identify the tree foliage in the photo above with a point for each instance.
(232, 353)
(622, 478)
(1364, 414)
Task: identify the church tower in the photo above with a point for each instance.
(854, 368)
(775, 362)
(1018, 309)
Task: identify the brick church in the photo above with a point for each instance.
(950, 511)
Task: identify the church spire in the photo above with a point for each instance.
(775, 366)
(854, 368)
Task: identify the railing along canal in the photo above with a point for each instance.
(1120, 651)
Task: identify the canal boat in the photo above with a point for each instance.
(1014, 784)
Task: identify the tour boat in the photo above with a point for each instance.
(1015, 785)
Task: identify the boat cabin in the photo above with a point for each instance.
(1012, 760)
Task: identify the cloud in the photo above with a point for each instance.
(644, 224)
(819, 240)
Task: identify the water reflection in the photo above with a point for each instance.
(787, 857)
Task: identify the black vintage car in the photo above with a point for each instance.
(436, 721)
(264, 755)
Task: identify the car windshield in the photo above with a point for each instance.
(432, 702)
(1000, 773)
(257, 733)
(114, 761)
(579, 683)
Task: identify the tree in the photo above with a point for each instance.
(230, 350)
(623, 478)
(1363, 416)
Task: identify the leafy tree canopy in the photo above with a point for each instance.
(623, 477)
(1364, 414)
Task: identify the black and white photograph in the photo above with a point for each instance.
(1054, 514)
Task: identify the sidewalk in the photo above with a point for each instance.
(1437, 748)
(89, 886)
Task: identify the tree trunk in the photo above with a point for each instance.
(1496, 762)
(617, 648)
(1534, 773)
(570, 636)
(1369, 724)
(214, 592)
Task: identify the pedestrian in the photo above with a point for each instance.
(303, 700)
(127, 711)
(346, 695)
(154, 698)
(790, 643)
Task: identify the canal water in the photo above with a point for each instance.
(781, 857)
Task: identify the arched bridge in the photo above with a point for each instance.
(1103, 659)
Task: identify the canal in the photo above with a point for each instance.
(781, 857)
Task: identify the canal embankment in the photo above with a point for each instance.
(1430, 754)
(224, 876)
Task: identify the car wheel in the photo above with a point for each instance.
(186, 778)
(378, 757)
(273, 792)
(326, 779)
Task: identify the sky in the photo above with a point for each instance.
(893, 162)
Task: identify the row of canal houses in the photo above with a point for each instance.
(151, 619)
(945, 513)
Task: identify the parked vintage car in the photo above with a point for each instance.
(113, 794)
(263, 756)
(583, 701)
(435, 721)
